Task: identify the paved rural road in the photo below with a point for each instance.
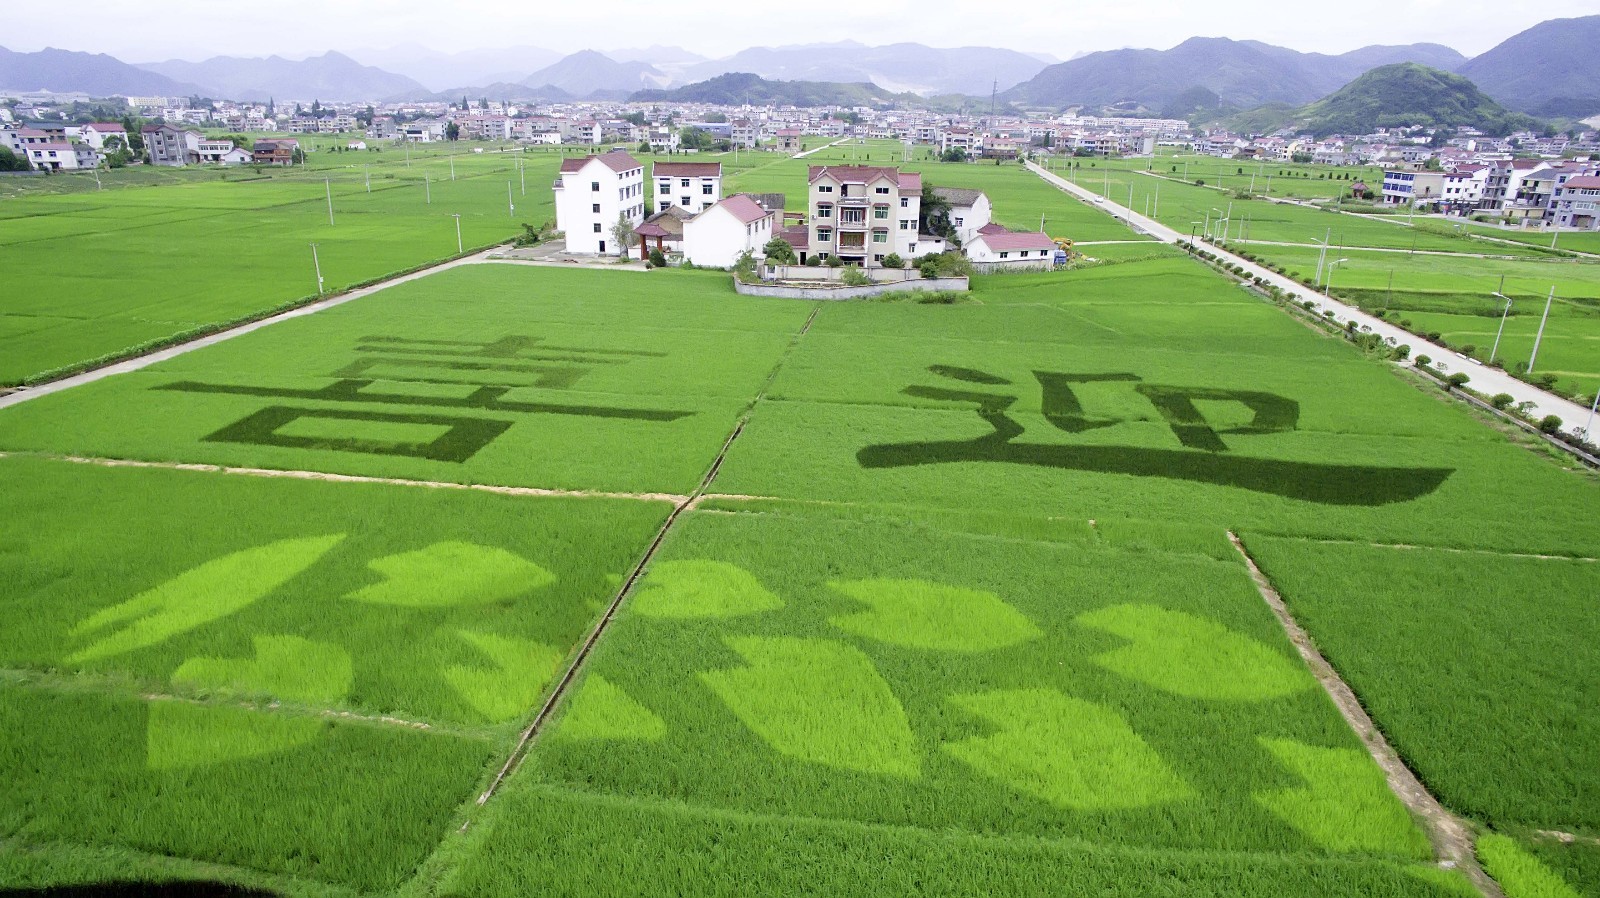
(23, 394)
(1486, 380)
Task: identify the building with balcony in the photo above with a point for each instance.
(862, 213)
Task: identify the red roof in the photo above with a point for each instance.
(992, 228)
(651, 229)
(1589, 181)
(106, 126)
(616, 160)
(687, 169)
(743, 208)
(797, 236)
(863, 174)
(1017, 240)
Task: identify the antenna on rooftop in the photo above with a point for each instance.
(993, 92)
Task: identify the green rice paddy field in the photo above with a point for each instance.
(1430, 275)
(948, 604)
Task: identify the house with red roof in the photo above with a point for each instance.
(718, 236)
(592, 193)
(1577, 203)
(1011, 249)
(864, 213)
(95, 134)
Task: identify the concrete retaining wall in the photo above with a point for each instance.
(824, 273)
(783, 291)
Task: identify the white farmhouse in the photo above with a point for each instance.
(969, 210)
(691, 186)
(592, 193)
(719, 235)
(95, 134)
(1012, 250)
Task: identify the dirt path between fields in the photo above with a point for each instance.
(687, 503)
(23, 394)
(353, 478)
(1452, 838)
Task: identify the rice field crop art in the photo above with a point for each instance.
(1097, 395)
(498, 374)
(300, 677)
(893, 679)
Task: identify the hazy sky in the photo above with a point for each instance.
(195, 29)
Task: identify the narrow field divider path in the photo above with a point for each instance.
(1452, 837)
(687, 503)
(352, 478)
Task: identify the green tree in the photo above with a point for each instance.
(893, 260)
(452, 131)
(935, 216)
(10, 161)
(717, 118)
(779, 252)
(316, 109)
(623, 233)
(954, 154)
(692, 138)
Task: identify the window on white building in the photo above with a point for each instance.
(594, 186)
(905, 202)
(683, 182)
(824, 188)
(824, 211)
(705, 189)
(1005, 255)
(824, 234)
(596, 208)
(882, 191)
(597, 227)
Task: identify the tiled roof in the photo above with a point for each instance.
(992, 228)
(797, 236)
(1584, 181)
(616, 160)
(687, 169)
(1017, 240)
(860, 174)
(958, 196)
(743, 208)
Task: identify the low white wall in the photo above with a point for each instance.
(824, 273)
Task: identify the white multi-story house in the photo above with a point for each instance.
(95, 133)
(725, 231)
(223, 152)
(1577, 203)
(591, 193)
(744, 133)
(1414, 187)
(862, 213)
(166, 145)
(691, 186)
(1463, 188)
(969, 210)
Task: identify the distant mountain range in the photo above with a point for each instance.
(440, 71)
(331, 76)
(96, 74)
(588, 73)
(900, 68)
(1546, 70)
(737, 88)
(1239, 73)
(1400, 94)
(1551, 69)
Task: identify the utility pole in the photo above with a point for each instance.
(511, 204)
(316, 265)
(369, 177)
(427, 189)
(457, 217)
(1540, 335)
(1494, 350)
(328, 186)
(1322, 256)
(452, 166)
(522, 169)
(97, 180)
(1158, 199)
